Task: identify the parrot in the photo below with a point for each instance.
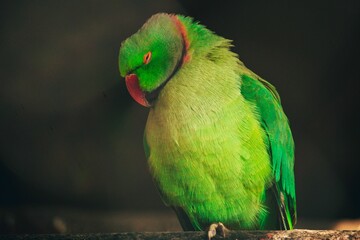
(218, 144)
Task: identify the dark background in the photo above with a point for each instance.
(71, 136)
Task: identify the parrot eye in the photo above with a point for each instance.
(147, 58)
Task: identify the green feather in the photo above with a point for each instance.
(218, 143)
(280, 142)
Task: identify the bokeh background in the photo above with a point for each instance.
(71, 156)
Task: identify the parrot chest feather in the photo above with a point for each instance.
(209, 159)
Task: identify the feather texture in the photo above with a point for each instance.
(217, 141)
(279, 140)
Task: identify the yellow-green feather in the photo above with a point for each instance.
(206, 147)
(212, 144)
(280, 142)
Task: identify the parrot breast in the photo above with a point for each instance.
(208, 157)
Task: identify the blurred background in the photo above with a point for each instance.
(71, 155)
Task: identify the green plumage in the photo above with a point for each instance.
(217, 141)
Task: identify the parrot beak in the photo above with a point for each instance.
(132, 84)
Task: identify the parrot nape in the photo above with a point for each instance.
(218, 143)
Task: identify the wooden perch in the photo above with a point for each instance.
(263, 235)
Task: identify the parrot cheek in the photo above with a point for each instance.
(132, 84)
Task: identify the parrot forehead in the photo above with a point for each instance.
(159, 18)
(159, 29)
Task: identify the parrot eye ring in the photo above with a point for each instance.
(147, 58)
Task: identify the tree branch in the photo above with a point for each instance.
(263, 235)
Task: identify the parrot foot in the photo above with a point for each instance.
(217, 228)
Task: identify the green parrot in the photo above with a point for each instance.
(217, 141)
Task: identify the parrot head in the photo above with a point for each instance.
(149, 58)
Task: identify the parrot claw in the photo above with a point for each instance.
(217, 227)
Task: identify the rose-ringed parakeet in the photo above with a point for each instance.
(218, 143)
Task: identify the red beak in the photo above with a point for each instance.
(132, 84)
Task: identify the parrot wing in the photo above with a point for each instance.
(279, 141)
